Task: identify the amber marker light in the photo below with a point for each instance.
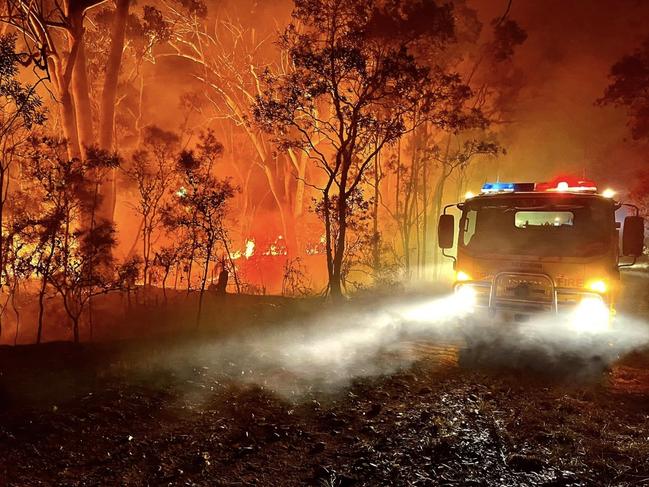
(462, 276)
(598, 285)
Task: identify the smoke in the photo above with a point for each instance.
(564, 64)
(331, 348)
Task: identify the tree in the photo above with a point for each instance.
(629, 89)
(229, 58)
(166, 259)
(152, 171)
(352, 90)
(19, 242)
(57, 43)
(431, 157)
(62, 58)
(72, 259)
(202, 207)
(20, 111)
(84, 271)
(358, 238)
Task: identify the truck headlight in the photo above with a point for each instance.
(591, 315)
(466, 297)
(597, 285)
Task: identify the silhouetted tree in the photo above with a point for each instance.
(354, 84)
(72, 258)
(168, 258)
(201, 208)
(152, 171)
(20, 111)
(629, 88)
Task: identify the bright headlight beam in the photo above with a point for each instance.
(591, 316)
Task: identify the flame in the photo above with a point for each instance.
(250, 248)
(278, 247)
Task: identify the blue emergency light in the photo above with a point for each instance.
(498, 187)
(507, 187)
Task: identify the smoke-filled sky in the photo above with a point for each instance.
(566, 59)
(564, 64)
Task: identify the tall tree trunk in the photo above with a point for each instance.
(113, 64)
(335, 286)
(298, 205)
(14, 294)
(82, 104)
(61, 79)
(376, 240)
(164, 283)
(108, 96)
(424, 230)
(438, 197)
(328, 237)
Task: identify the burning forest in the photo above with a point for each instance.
(324, 242)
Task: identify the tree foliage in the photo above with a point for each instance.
(629, 89)
(353, 90)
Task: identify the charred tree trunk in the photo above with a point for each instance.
(41, 309)
(328, 237)
(164, 283)
(335, 286)
(201, 294)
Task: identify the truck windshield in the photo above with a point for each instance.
(529, 228)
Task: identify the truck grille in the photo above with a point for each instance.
(524, 288)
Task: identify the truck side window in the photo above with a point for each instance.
(469, 226)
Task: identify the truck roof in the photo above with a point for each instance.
(558, 198)
(542, 194)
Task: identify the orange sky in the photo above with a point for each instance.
(570, 48)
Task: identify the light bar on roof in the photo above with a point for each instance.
(507, 187)
(498, 188)
(567, 184)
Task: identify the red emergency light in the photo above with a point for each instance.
(568, 184)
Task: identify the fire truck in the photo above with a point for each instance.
(528, 248)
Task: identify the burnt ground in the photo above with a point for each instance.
(172, 411)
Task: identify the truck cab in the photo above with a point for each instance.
(526, 248)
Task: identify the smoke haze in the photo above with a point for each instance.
(331, 348)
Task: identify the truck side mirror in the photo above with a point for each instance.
(446, 231)
(633, 236)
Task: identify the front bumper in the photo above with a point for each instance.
(492, 298)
